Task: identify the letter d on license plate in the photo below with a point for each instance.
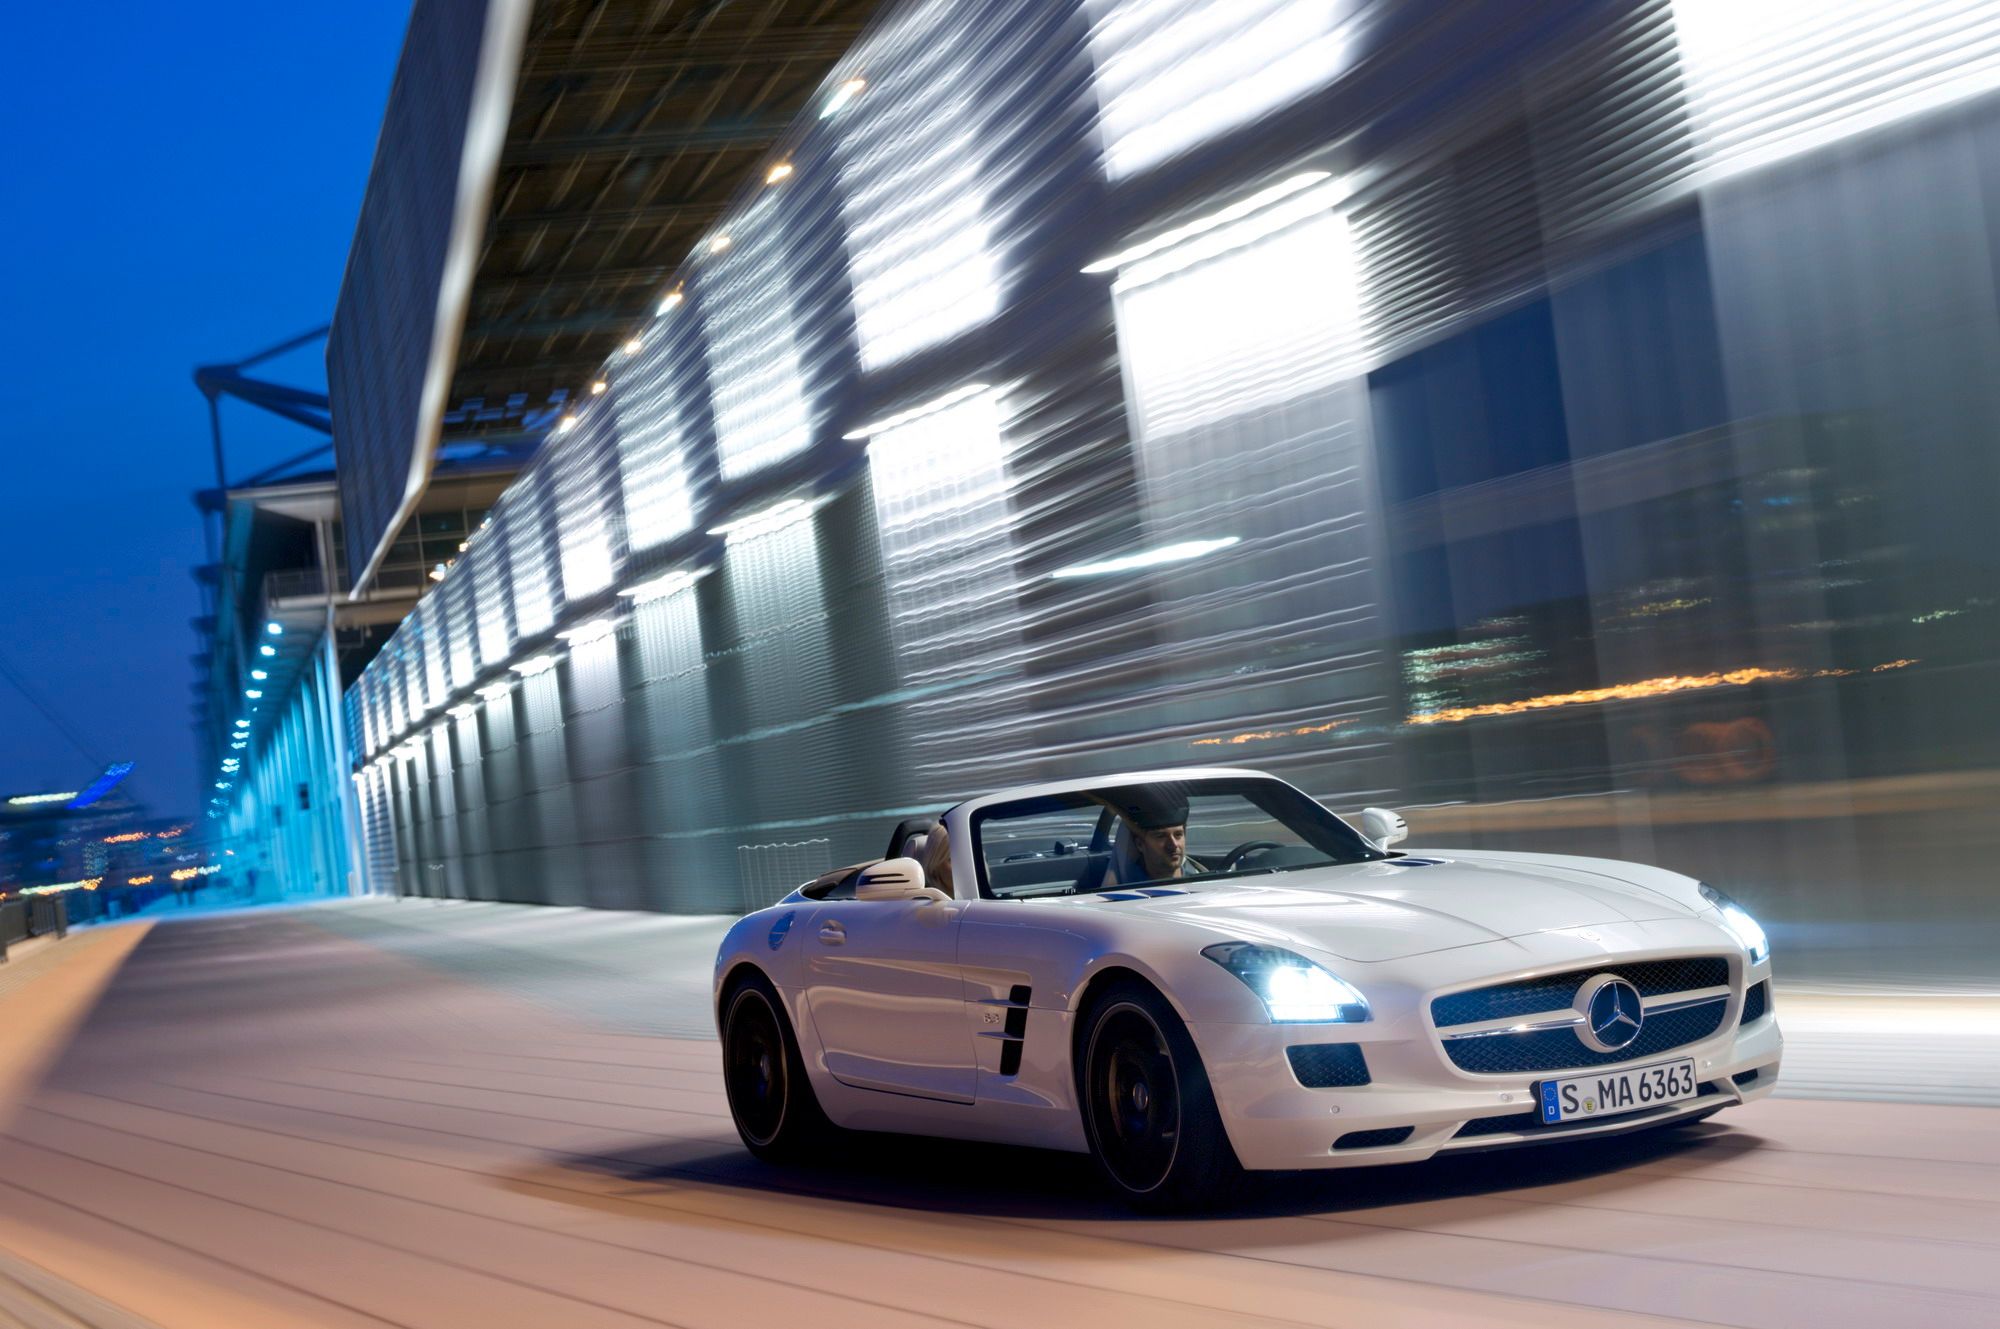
(1615, 1092)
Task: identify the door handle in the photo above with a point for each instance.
(832, 934)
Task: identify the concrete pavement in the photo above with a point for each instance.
(414, 1114)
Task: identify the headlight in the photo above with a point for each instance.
(1741, 926)
(1293, 989)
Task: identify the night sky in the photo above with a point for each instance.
(181, 188)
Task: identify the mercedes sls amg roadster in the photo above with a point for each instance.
(1188, 973)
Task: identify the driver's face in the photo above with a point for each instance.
(1161, 852)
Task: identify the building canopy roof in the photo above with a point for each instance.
(543, 169)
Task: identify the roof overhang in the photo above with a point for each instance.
(595, 143)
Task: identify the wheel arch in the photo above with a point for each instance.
(739, 972)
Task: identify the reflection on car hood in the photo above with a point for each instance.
(1404, 906)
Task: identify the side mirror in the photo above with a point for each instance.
(1383, 827)
(893, 879)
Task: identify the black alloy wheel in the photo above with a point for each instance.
(764, 1076)
(1147, 1107)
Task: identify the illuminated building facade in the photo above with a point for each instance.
(1431, 403)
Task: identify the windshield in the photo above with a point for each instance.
(1123, 836)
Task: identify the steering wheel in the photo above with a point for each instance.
(1236, 855)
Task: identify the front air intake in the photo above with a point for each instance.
(1374, 1139)
(1328, 1065)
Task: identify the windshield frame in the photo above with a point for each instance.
(1304, 815)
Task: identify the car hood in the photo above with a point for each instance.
(1405, 906)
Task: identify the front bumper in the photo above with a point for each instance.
(1275, 1122)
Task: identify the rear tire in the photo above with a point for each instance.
(764, 1075)
(1148, 1110)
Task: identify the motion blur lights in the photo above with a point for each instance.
(259, 675)
(587, 632)
(536, 664)
(671, 301)
(1741, 926)
(597, 388)
(901, 418)
(564, 425)
(842, 95)
(267, 651)
(664, 585)
(1236, 211)
(242, 724)
(497, 691)
(462, 711)
(782, 171)
(764, 521)
(1148, 558)
(275, 629)
(633, 345)
(718, 244)
(254, 694)
(1293, 989)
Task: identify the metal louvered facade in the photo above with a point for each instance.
(1445, 421)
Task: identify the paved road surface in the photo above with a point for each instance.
(468, 1115)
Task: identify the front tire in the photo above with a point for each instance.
(1148, 1110)
(764, 1076)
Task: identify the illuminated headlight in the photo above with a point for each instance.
(1293, 989)
(1741, 926)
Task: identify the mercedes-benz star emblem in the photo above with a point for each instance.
(1612, 1015)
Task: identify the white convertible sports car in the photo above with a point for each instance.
(1190, 972)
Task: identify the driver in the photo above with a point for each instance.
(1152, 834)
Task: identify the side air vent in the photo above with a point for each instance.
(1013, 1034)
(1374, 1139)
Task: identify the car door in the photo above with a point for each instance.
(882, 982)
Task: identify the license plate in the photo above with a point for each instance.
(1613, 1092)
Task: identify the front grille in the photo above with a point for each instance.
(1562, 1050)
(1530, 1123)
(1554, 992)
(1374, 1139)
(1328, 1065)
(1757, 1001)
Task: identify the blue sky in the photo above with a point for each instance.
(181, 188)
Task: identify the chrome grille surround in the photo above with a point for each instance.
(1550, 992)
(1535, 1025)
